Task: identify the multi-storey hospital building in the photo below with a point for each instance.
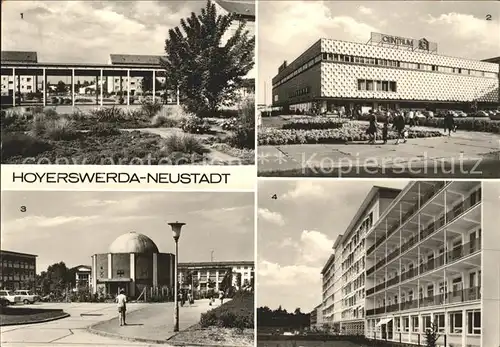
(423, 260)
(388, 71)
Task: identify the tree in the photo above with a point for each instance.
(61, 87)
(57, 278)
(147, 84)
(207, 71)
(431, 335)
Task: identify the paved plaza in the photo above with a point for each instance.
(96, 324)
(477, 153)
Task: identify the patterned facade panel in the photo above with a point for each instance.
(308, 81)
(372, 51)
(309, 54)
(340, 80)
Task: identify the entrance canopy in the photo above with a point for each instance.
(383, 321)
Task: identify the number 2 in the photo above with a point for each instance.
(488, 17)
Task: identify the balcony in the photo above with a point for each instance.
(464, 295)
(432, 264)
(381, 263)
(463, 206)
(463, 250)
(409, 305)
(407, 245)
(370, 291)
(409, 274)
(379, 287)
(370, 271)
(393, 254)
(392, 308)
(393, 281)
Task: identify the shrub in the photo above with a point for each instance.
(186, 144)
(151, 107)
(244, 135)
(61, 129)
(315, 123)
(50, 113)
(108, 114)
(195, 125)
(18, 144)
(164, 121)
(237, 313)
(104, 129)
(470, 124)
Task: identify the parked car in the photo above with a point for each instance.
(481, 113)
(27, 296)
(10, 297)
(460, 114)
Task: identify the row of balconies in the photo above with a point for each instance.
(436, 189)
(445, 258)
(433, 227)
(457, 296)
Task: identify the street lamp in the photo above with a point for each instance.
(176, 231)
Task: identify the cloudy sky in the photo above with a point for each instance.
(88, 31)
(72, 226)
(287, 28)
(296, 232)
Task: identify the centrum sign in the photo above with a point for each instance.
(399, 41)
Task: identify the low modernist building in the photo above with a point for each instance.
(217, 275)
(17, 270)
(388, 71)
(133, 263)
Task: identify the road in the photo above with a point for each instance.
(71, 331)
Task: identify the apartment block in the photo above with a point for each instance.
(344, 272)
(424, 266)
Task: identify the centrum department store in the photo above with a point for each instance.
(387, 71)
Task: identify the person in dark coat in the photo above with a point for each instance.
(372, 127)
(385, 129)
(399, 125)
(449, 123)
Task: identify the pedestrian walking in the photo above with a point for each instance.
(449, 123)
(411, 118)
(399, 125)
(385, 129)
(221, 297)
(372, 127)
(121, 299)
(189, 298)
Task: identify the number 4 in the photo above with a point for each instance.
(274, 197)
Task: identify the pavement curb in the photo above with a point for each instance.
(46, 320)
(126, 338)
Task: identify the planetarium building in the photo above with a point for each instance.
(133, 263)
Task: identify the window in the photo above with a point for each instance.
(439, 320)
(414, 323)
(361, 84)
(385, 88)
(457, 285)
(474, 322)
(430, 290)
(426, 321)
(406, 323)
(396, 324)
(456, 323)
(392, 86)
(369, 85)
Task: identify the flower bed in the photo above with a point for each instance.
(237, 313)
(470, 124)
(115, 148)
(314, 123)
(349, 132)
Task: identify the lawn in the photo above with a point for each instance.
(151, 135)
(230, 324)
(22, 315)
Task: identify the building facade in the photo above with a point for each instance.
(21, 84)
(17, 270)
(133, 263)
(344, 273)
(217, 275)
(333, 73)
(424, 266)
(83, 277)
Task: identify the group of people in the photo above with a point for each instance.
(398, 120)
(183, 296)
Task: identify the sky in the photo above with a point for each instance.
(288, 28)
(72, 226)
(88, 31)
(296, 232)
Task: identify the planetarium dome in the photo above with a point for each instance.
(133, 242)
